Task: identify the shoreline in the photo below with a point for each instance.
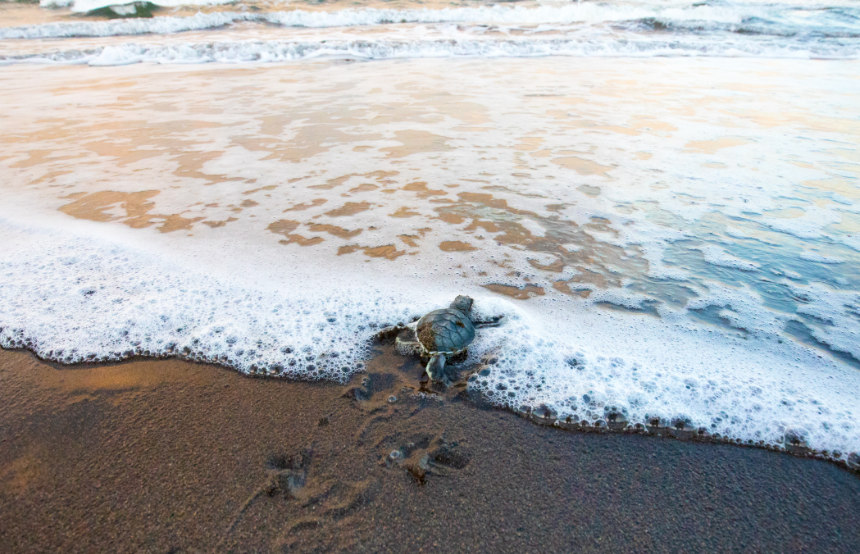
(166, 454)
(542, 416)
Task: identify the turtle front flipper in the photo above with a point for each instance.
(436, 367)
(494, 321)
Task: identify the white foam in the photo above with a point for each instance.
(741, 308)
(84, 298)
(579, 29)
(587, 12)
(718, 256)
(644, 372)
(117, 27)
(582, 28)
(75, 296)
(820, 258)
(533, 227)
(619, 297)
(653, 253)
(811, 224)
(113, 55)
(246, 51)
(839, 312)
(83, 6)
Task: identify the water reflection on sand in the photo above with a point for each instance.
(732, 203)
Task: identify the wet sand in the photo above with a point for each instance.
(163, 455)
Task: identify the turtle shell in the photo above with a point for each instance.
(445, 331)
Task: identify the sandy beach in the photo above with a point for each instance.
(163, 455)
(208, 216)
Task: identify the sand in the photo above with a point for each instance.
(164, 455)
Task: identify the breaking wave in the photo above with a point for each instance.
(743, 18)
(279, 51)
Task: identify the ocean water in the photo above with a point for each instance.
(661, 197)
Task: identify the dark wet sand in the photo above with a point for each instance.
(174, 456)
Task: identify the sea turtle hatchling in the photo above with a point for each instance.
(439, 335)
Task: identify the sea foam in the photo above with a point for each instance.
(71, 294)
(366, 49)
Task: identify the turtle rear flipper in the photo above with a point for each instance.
(436, 368)
(388, 333)
(406, 344)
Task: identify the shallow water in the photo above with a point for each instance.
(669, 238)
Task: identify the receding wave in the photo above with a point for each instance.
(281, 51)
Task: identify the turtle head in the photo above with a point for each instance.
(462, 303)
